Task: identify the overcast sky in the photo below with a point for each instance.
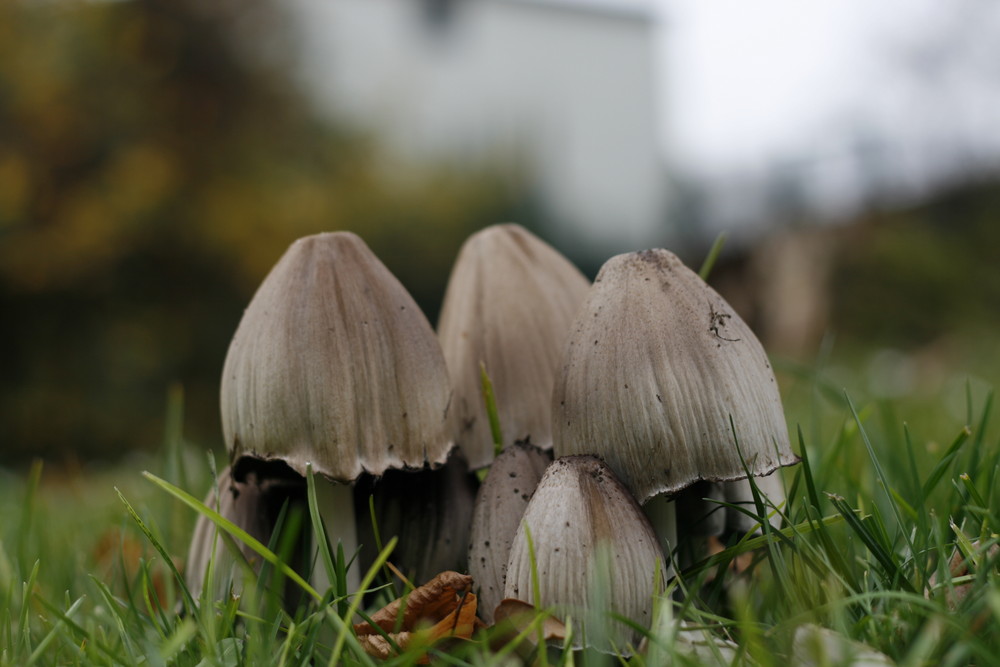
(747, 83)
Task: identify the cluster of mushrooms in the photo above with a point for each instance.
(631, 411)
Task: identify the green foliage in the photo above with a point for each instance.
(155, 161)
(888, 539)
(911, 276)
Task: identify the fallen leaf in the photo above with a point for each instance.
(512, 618)
(958, 567)
(443, 607)
(120, 556)
(521, 614)
(739, 564)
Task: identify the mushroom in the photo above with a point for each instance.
(663, 380)
(254, 505)
(595, 553)
(500, 503)
(509, 304)
(334, 366)
(814, 645)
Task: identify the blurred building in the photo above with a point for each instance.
(564, 93)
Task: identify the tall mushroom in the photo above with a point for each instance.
(663, 380)
(509, 304)
(594, 552)
(334, 366)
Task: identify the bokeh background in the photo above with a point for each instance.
(158, 156)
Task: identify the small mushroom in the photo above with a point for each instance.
(500, 504)
(334, 366)
(509, 303)
(595, 553)
(253, 505)
(814, 645)
(659, 372)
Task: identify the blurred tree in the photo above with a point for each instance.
(909, 277)
(155, 161)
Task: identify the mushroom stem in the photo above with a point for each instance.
(336, 508)
(662, 515)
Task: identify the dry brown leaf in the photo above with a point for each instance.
(512, 617)
(739, 564)
(443, 607)
(520, 614)
(120, 556)
(958, 567)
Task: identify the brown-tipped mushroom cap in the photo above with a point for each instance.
(656, 365)
(591, 543)
(500, 504)
(509, 304)
(334, 364)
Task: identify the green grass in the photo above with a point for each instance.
(887, 492)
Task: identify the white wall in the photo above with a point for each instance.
(569, 89)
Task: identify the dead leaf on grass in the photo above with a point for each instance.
(443, 607)
(513, 617)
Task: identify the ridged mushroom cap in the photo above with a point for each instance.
(500, 504)
(656, 365)
(580, 514)
(509, 304)
(334, 364)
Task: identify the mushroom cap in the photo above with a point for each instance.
(591, 543)
(656, 366)
(509, 304)
(334, 364)
(500, 504)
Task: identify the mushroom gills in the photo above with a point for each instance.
(429, 511)
(254, 503)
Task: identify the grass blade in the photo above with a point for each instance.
(942, 465)
(234, 530)
(158, 546)
(712, 256)
(489, 398)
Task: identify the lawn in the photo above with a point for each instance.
(886, 553)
